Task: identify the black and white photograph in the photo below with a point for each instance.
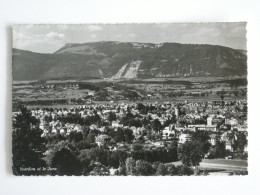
(140, 97)
(155, 99)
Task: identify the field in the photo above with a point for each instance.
(79, 92)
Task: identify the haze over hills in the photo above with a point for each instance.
(129, 60)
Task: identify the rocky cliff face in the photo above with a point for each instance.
(129, 60)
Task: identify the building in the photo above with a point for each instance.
(183, 138)
(213, 139)
(116, 124)
(101, 140)
(209, 121)
(203, 127)
(168, 132)
(177, 111)
(231, 121)
(229, 146)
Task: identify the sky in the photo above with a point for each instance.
(49, 38)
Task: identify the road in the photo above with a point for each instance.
(228, 165)
(221, 164)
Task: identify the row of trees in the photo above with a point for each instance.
(67, 164)
(144, 168)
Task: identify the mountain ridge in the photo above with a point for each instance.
(105, 59)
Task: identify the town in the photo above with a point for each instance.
(117, 138)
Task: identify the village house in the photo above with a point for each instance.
(168, 133)
(202, 127)
(229, 146)
(229, 140)
(116, 124)
(184, 137)
(213, 139)
(231, 121)
(101, 140)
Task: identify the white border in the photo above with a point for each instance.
(131, 11)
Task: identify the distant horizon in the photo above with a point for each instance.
(49, 38)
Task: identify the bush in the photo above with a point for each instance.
(171, 170)
(99, 170)
(161, 170)
(184, 170)
(144, 168)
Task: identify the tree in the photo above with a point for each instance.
(97, 155)
(100, 170)
(85, 160)
(135, 122)
(47, 118)
(173, 119)
(119, 135)
(184, 170)
(28, 145)
(161, 170)
(172, 152)
(121, 170)
(117, 157)
(54, 147)
(91, 138)
(219, 150)
(241, 141)
(75, 136)
(111, 117)
(140, 107)
(143, 168)
(130, 166)
(156, 125)
(128, 136)
(171, 170)
(66, 163)
(190, 153)
(137, 147)
(203, 138)
(84, 145)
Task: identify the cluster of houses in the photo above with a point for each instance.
(215, 117)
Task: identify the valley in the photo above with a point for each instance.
(80, 92)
